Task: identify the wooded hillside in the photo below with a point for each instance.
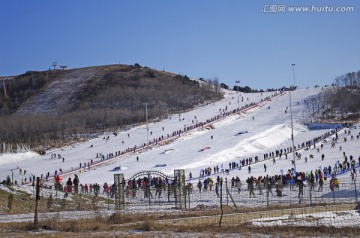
(44, 109)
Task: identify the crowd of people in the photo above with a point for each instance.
(173, 135)
(311, 178)
(206, 183)
(276, 154)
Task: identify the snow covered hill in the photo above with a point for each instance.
(253, 132)
(58, 93)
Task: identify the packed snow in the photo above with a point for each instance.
(262, 126)
(254, 131)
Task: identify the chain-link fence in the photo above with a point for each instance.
(279, 195)
(258, 203)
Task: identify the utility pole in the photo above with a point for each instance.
(293, 65)
(237, 85)
(238, 89)
(147, 124)
(292, 126)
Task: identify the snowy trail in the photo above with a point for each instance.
(269, 130)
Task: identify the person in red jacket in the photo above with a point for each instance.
(57, 182)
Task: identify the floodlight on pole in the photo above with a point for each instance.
(237, 83)
(293, 65)
(292, 126)
(238, 91)
(147, 124)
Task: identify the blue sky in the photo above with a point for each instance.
(231, 40)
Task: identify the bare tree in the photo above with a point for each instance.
(216, 85)
(4, 85)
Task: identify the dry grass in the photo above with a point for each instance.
(102, 227)
(247, 229)
(24, 202)
(202, 221)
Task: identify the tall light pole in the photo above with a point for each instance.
(293, 65)
(238, 89)
(147, 124)
(237, 83)
(292, 126)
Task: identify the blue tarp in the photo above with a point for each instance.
(116, 168)
(320, 126)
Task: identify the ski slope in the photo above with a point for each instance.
(250, 133)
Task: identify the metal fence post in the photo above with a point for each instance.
(227, 197)
(148, 187)
(79, 206)
(184, 189)
(310, 195)
(168, 192)
(189, 194)
(108, 200)
(37, 198)
(119, 191)
(356, 197)
(221, 207)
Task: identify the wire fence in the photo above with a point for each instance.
(322, 215)
(279, 204)
(279, 194)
